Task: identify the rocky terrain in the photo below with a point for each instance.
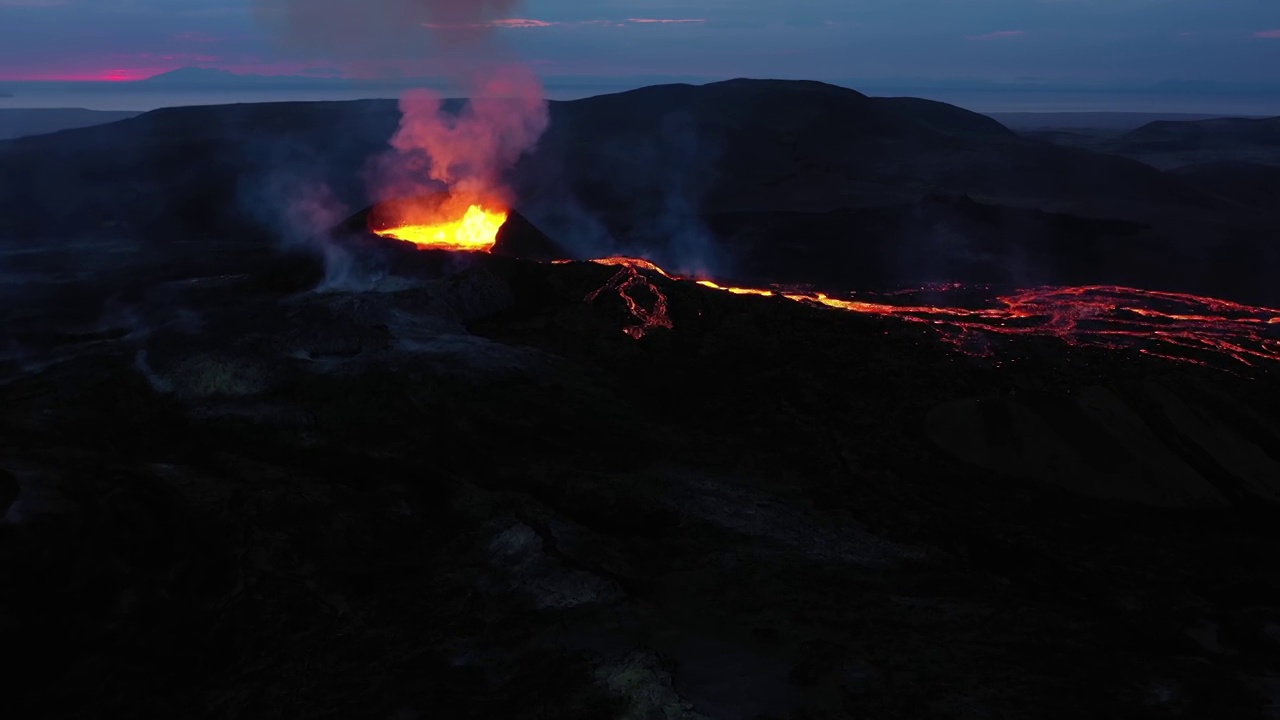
(236, 482)
(231, 495)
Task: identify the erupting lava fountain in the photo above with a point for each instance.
(440, 222)
(453, 223)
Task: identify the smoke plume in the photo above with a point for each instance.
(469, 150)
(356, 31)
(465, 150)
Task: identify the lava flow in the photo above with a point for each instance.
(631, 284)
(1176, 326)
(447, 224)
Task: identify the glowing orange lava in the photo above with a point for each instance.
(737, 290)
(1175, 326)
(646, 303)
(440, 225)
(633, 263)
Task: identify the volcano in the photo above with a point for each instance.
(453, 224)
(1174, 326)
(810, 485)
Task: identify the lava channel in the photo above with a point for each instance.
(1176, 326)
(632, 286)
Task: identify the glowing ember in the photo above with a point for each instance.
(475, 230)
(1175, 326)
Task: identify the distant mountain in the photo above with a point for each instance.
(762, 172)
(1162, 87)
(22, 122)
(944, 118)
(1213, 86)
(735, 145)
(596, 81)
(1169, 144)
(1203, 134)
(1111, 121)
(194, 75)
(811, 146)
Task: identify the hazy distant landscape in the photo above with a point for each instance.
(1083, 127)
(198, 86)
(1090, 116)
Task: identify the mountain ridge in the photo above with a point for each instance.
(649, 171)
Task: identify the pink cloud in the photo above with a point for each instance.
(999, 35)
(140, 66)
(525, 23)
(665, 21)
(509, 23)
(86, 75)
(1268, 34)
(522, 23)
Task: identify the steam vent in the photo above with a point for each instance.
(454, 225)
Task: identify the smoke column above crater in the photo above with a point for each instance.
(466, 151)
(367, 30)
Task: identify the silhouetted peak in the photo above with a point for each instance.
(767, 85)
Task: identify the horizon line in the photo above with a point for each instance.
(231, 76)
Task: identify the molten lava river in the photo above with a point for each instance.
(1176, 326)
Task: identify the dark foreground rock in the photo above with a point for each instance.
(462, 491)
(9, 491)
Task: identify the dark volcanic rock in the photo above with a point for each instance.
(1107, 444)
(519, 238)
(9, 491)
(1252, 184)
(475, 491)
(466, 487)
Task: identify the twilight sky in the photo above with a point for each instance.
(1123, 40)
